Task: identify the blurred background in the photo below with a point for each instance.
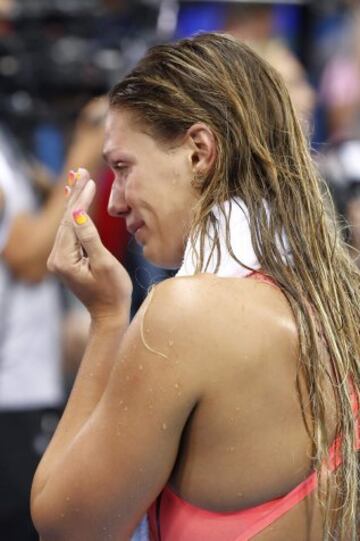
(55, 55)
(58, 58)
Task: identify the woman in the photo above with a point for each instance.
(219, 406)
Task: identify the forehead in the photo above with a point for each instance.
(120, 130)
(126, 137)
(125, 134)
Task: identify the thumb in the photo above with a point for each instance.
(88, 236)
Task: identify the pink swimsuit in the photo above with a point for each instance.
(173, 519)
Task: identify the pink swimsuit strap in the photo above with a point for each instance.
(183, 521)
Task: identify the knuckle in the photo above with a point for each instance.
(87, 236)
(66, 221)
(50, 264)
(105, 265)
(84, 173)
(58, 266)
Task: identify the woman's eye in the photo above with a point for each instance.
(120, 168)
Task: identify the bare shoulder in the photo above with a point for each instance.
(169, 314)
(204, 309)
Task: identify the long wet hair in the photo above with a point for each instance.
(263, 158)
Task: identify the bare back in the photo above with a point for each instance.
(246, 442)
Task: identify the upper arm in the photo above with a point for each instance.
(18, 235)
(125, 452)
(21, 249)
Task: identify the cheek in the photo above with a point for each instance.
(134, 189)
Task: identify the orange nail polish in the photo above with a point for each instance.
(80, 217)
(71, 178)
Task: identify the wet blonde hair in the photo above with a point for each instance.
(263, 158)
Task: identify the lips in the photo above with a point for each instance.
(135, 226)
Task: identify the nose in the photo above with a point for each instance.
(117, 205)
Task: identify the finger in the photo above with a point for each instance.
(89, 238)
(83, 200)
(85, 197)
(77, 180)
(75, 176)
(66, 251)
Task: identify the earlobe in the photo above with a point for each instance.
(204, 147)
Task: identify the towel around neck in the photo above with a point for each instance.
(240, 241)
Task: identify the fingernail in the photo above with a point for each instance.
(67, 190)
(80, 216)
(71, 178)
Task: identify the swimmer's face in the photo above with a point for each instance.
(152, 189)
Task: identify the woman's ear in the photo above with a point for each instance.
(203, 148)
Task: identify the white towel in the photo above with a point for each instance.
(240, 241)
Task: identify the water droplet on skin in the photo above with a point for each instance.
(147, 331)
(127, 378)
(126, 408)
(231, 449)
(164, 426)
(171, 343)
(91, 374)
(67, 498)
(176, 385)
(237, 409)
(62, 515)
(141, 367)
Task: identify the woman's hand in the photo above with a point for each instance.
(78, 256)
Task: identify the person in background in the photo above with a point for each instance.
(31, 318)
(340, 166)
(253, 24)
(340, 81)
